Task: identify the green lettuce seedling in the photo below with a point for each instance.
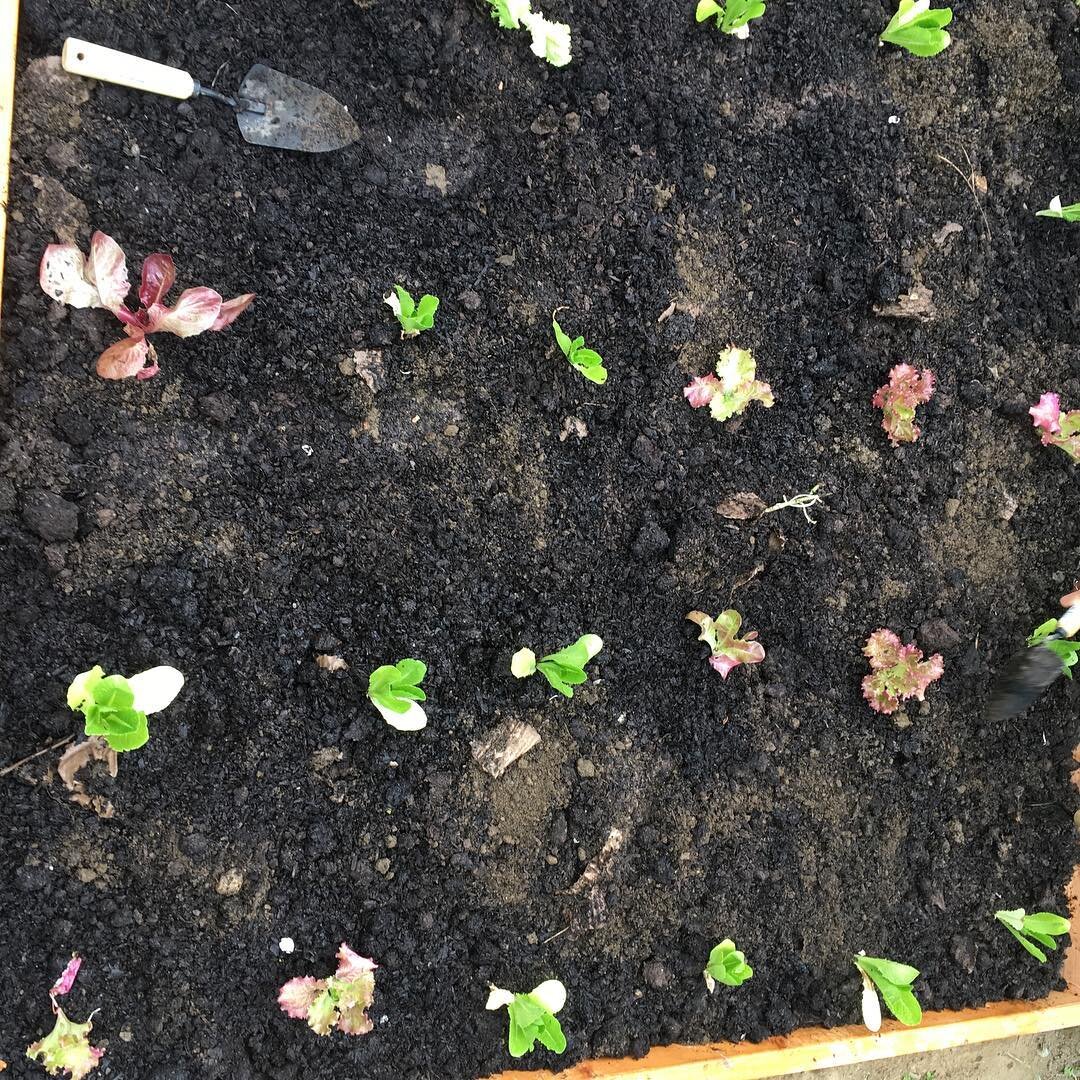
(116, 708)
(67, 1047)
(918, 29)
(732, 17)
(532, 1016)
(564, 669)
(394, 689)
(726, 965)
(1041, 926)
(587, 361)
(735, 388)
(1056, 210)
(1066, 649)
(341, 1000)
(894, 981)
(412, 316)
(550, 40)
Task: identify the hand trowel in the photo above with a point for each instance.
(1032, 671)
(271, 109)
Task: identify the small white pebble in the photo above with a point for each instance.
(286, 945)
(894, 119)
(307, 449)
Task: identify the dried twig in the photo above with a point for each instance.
(37, 753)
(972, 184)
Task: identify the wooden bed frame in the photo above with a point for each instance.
(804, 1050)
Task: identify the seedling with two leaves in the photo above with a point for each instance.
(532, 1017)
(412, 316)
(894, 981)
(586, 361)
(1040, 926)
(564, 669)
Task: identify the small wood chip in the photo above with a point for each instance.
(916, 304)
(742, 506)
(331, 663)
(504, 745)
(667, 312)
(947, 230)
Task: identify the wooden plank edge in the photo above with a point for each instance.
(809, 1049)
(9, 24)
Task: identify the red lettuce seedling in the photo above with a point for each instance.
(906, 388)
(721, 635)
(732, 388)
(898, 672)
(341, 1000)
(67, 1047)
(1057, 430)
(102, 281)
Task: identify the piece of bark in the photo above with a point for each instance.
(916, 304)
(590, 880)
(78, 756)
(504, 745)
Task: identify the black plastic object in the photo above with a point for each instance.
(1027, 675)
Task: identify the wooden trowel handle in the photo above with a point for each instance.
(110, 65)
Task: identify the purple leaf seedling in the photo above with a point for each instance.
(69, 277)
(898, 672)
(906, 388)
(1058, 429)
(732, 388)
(340, 1000)
(721, 635)
(66, 1049)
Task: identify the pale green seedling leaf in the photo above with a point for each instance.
(917, 29)
(394, 686)
(1056, 210)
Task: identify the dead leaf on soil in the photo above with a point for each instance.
(78, 756)
(916, 304)
(435, 177)
(746, 579)
(667, 312)
(590, 879)
(498, 750)
(331, 663)
(324, 757)
(368, 364)
(573, 425)
(946, 231)
(742, 506)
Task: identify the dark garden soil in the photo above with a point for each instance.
(259, 503)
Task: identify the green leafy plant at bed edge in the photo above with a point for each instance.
(564, 669)
(918, 29)
(1040, 926)
(116, 708)
(412, 316)
(726, 965)
(532, 1017)
(550, 40)
(893, 981)
(732, 17)
(586, 361)
(1056, 210)
(1068, 651)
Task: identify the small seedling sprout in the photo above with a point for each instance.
(587, 362)
(116, 708)
(1067, 650)
(800, 502)
(550, 40)
(1058, 429)
(726, 965)
(412, 316)
(906, 388)
(564, 669)
(1040, 926)
(1056, 210)
(101, 280)
(918, 29)
(340, 1000)
(727, 648)
(732, 388)
(67, 1047)
(733, 17)
(894, 981)
(394, 689)
(532, 1016)
(898, 672)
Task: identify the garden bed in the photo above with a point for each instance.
(261, 502)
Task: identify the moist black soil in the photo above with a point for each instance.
(259, 503)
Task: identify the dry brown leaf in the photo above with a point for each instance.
(746, 578)
(916, 304)
(947, 230)
(667, 312)
(331, 663)
(76, 757)
(742, 506)
(324, 757)
(573, 425)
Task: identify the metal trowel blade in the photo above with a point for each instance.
(298, 116)
(1027, 675)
